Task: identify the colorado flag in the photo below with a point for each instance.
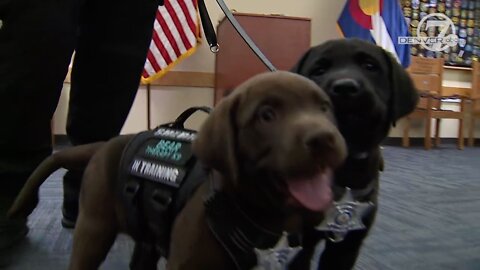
(380, 21)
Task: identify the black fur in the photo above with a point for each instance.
(370, 91)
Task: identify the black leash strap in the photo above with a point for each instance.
(208, 27)
(245, 36)
(212, 39)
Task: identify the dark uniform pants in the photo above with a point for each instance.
(37, 38)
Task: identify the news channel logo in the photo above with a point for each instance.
(434, 43)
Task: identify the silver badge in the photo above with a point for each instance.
(278, 257)
(344, 216)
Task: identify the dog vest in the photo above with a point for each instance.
(158, 174)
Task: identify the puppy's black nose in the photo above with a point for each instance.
(345, 88)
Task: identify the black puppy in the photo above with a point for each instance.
(370, 91)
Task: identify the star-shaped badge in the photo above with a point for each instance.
(344, 216)
(278, 257)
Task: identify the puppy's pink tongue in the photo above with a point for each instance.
(313, 193)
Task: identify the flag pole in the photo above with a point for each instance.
(149, 127)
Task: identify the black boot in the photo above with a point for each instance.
(71, 190)
(16, 165)
(11, 230)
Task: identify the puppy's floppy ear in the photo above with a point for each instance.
(302, 66)
(216, 140)
(404, 96)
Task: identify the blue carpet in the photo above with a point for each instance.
(429, 217)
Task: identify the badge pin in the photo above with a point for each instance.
(278, 257)
(344, 216)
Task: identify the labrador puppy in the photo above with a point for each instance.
(271, 145)
(370, 91)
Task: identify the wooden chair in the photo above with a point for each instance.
(426, 74)
(475, 96)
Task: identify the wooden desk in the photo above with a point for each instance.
(282, 39)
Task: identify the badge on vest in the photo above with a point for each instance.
(171, 151)
(160, 173)
(163, 157)
(175, 134)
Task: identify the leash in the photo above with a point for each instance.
(208, 27)
(212, 39)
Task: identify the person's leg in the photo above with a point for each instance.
(36, 43)
(110, 55)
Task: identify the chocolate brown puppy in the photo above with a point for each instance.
(271, 147)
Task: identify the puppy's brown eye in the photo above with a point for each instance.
(320, 71)
(325, 106)
(370, 66)
(267, 114)
(320, 68)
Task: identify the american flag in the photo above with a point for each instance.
(176, 33)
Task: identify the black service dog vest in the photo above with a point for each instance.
(158, 174)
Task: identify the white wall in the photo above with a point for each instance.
(168, 102)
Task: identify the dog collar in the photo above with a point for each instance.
(358, 194)
(359, 155)
(248, 244)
